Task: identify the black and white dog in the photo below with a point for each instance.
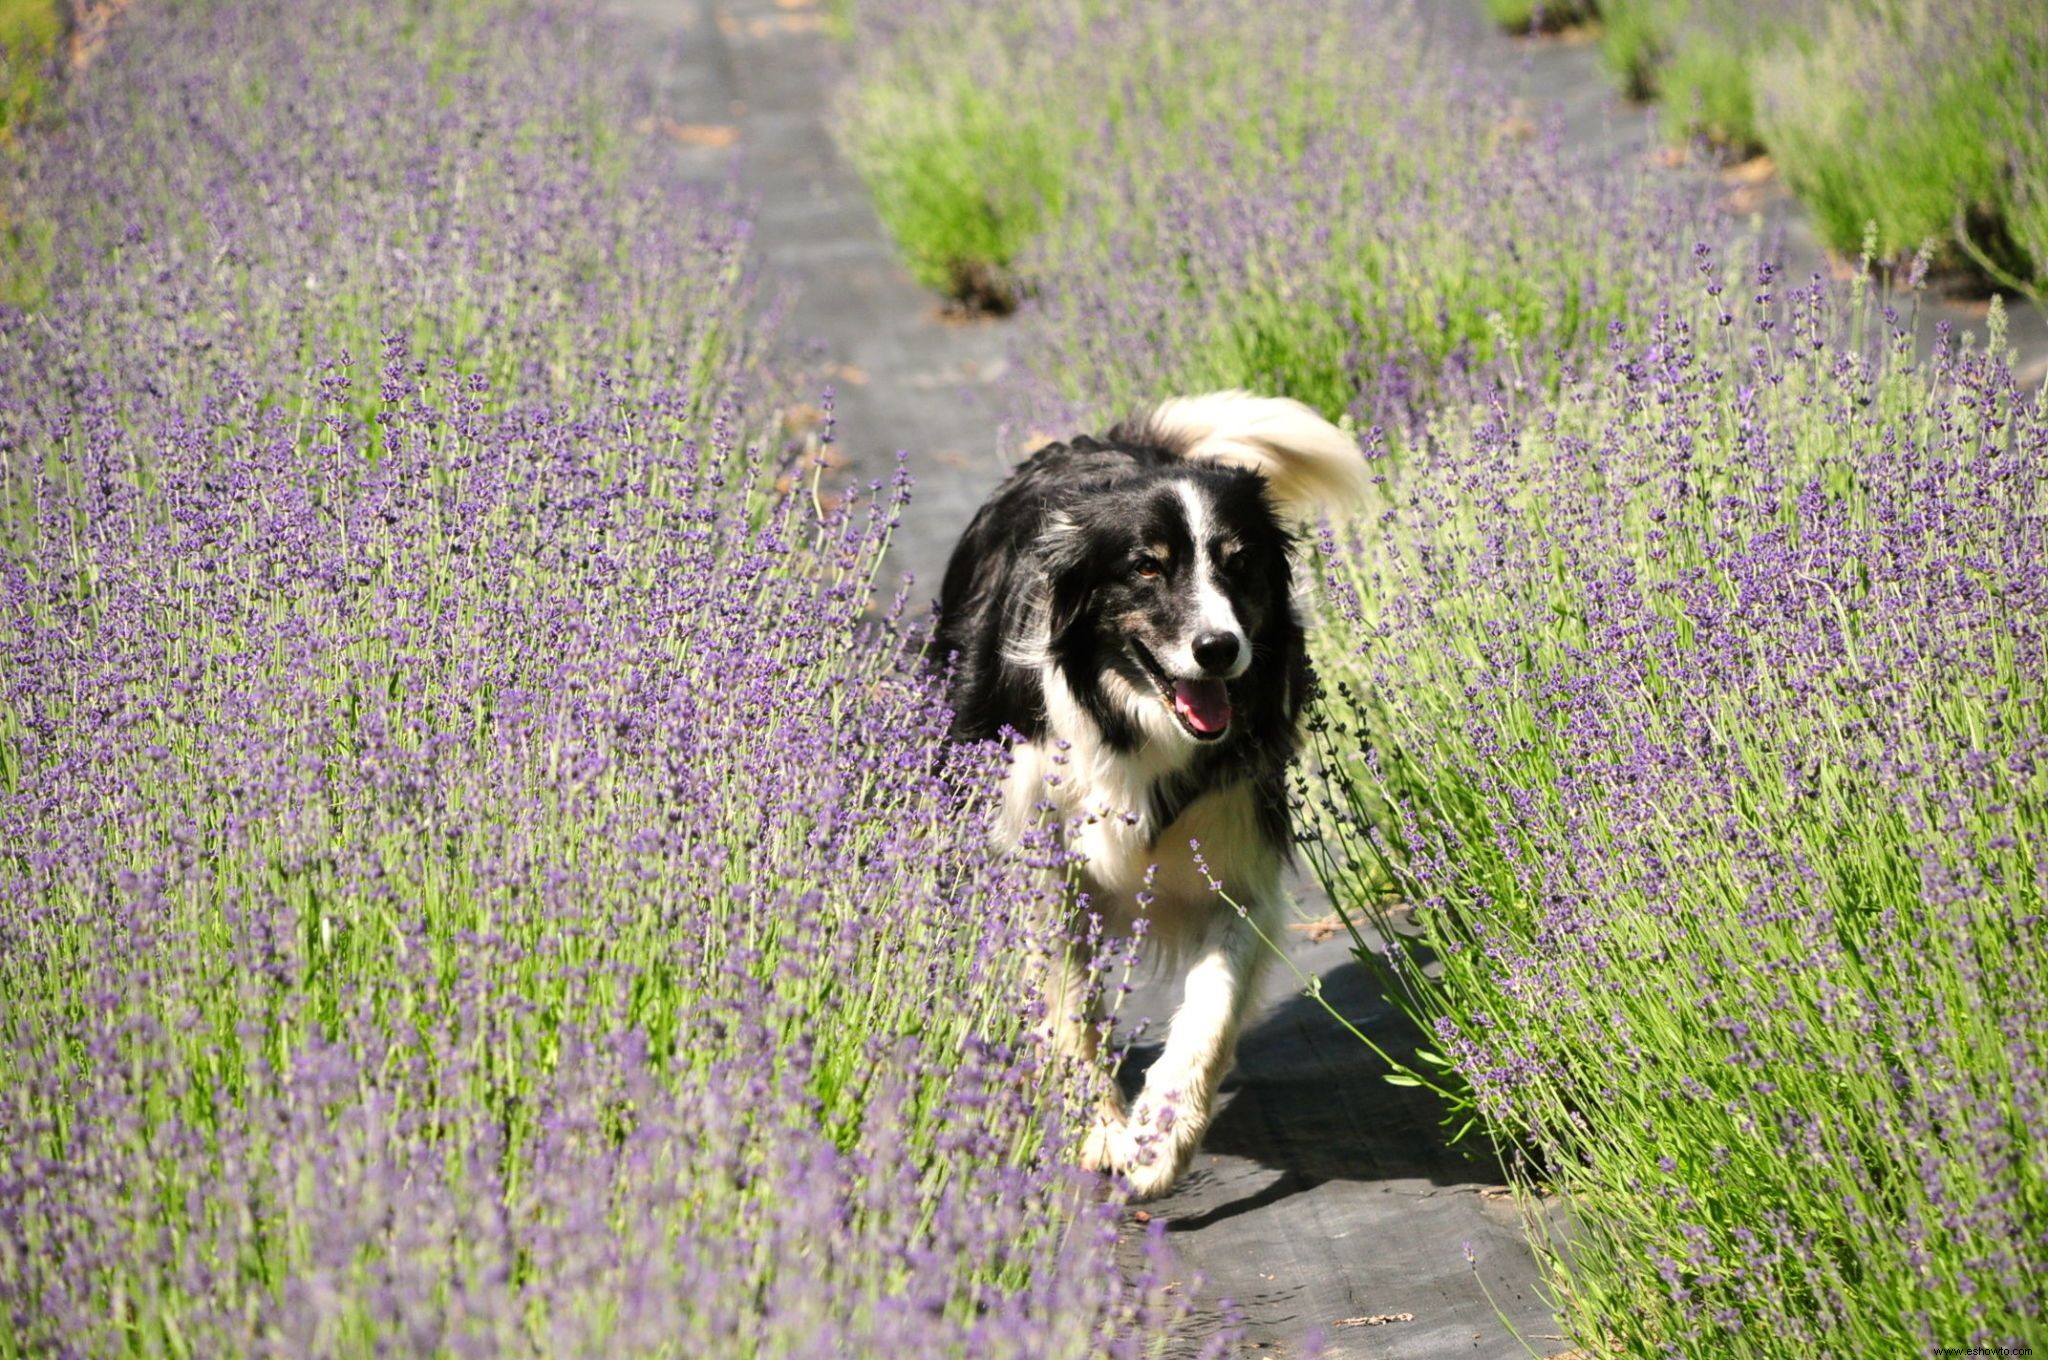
(1127, 605)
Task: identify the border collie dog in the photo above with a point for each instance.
(1123, 609)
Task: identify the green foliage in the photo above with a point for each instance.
(972, 126)
(1635, 35)
(1697, 57)
(29, 32)
(964, 180)
(1706, 89)
(1922, 119)
(1925, 122)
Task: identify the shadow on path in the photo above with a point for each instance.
(1310, 1101)
(1324, 1195)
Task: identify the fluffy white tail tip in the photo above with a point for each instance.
(1312, 467)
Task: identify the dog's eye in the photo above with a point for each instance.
(1148, 566)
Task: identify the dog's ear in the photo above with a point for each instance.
(1063, 558)
(1311, 467)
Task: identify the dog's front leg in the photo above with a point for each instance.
(1071, 1014)
(1166, 1124)
(1073, 1026)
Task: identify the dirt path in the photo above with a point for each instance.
(1324, 1199)
(746, 84)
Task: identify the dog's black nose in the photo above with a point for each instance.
(1216, 652)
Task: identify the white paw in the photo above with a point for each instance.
(1107, 1146)
(1155, 1175)
(1149, 1164)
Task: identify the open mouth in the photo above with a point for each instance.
(1201, 706)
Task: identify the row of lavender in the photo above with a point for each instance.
(1696, 716)
(1688, 690)
(1319, 200)
(1908, 121)
(477, 874)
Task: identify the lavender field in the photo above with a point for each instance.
(1322, 201)
(1680, 766)
(479, 869)
(478, 872)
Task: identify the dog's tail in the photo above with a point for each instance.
(1312, 467)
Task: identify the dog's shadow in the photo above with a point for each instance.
(1309, 1100)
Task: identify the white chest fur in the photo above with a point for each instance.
(1101, 799)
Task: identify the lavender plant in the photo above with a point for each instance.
(1692, 725)
(1289, 197)
(469, 181)
(503, 900)
(1922, 121)
(1688, 693)
(1945, 143)
(1402, 253)
(478, 875)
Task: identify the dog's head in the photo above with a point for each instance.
(1164, 593)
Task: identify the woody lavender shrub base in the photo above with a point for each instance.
(473, 877)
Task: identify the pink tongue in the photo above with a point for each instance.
(1204, 703)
